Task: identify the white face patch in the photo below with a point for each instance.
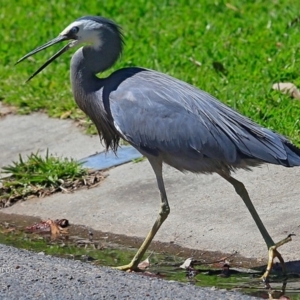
(87, 32)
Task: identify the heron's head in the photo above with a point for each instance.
(86, 30)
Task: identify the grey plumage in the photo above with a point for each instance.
(185, 122)
(167, 120)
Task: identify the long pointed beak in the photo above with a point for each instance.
(57, 40)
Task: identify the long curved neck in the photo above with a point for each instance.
(91, 60)
(87, 87)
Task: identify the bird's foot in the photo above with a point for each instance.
(273, 253)
(131, 267)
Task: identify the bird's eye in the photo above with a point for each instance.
(74, 30)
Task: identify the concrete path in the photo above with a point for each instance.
(206, 213)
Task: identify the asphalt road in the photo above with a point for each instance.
(28, 275)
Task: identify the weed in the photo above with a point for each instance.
(41, 176)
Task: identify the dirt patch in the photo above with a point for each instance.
(9, 194)
(6, 109)
(204, 257)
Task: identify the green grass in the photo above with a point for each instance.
(46, 170)
(257, 42)
(37, 175)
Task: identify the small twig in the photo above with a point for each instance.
(196, 62)
(63, 189)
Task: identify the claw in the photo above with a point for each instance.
(128, 268)
(273, 252)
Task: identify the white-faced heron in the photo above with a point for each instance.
(167, 120)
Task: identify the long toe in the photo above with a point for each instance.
(273, 253)
(130, 267)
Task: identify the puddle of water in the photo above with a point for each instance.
(107, 250)
(105, 160)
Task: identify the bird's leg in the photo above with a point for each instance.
(163, 214)
(273, 252)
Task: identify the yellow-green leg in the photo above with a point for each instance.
(163, 214)
(274, 253)
(272, 247)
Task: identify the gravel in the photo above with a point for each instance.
(28, 275)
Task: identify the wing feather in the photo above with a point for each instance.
(158, 113)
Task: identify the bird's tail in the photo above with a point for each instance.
(293, 155)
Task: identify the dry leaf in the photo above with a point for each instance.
(44, 226)
(144, 264)
(8, 230)
(66, 114)
(230, 6)
(287, 88)
(55, 232)
(187, 263)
